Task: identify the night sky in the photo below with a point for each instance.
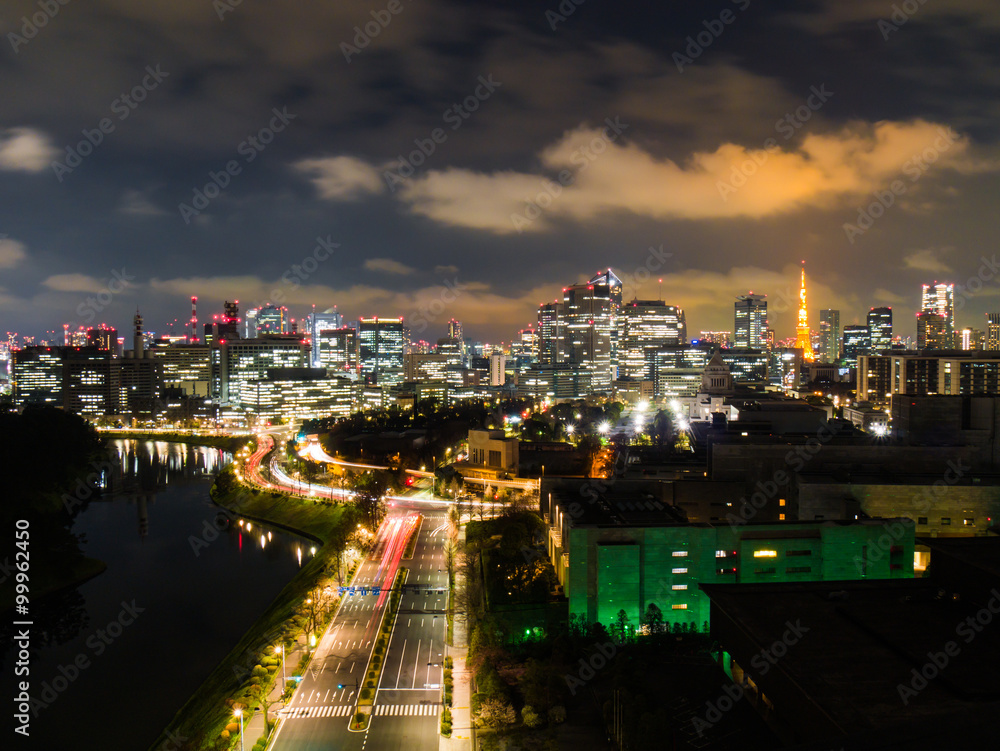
(735, 154)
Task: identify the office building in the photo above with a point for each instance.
(857, 341)
(337, 351)
(91, 382)
(589, 314)
(551, 334)
(970, 339)
(272, 319)
(37, 376)
(932, 331)
(993, 332)
(644, 327)
(104, 338)
(315, 323)
(940, 298)
(718, 338)
(186, 366)
(498, 370)
(244, 360)
(750, 329)
(880, 329)
(293, 394)
(381, 343)
(829, 335)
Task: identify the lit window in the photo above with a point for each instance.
(682, 606)
(680, 554)
(765, 554)
(781, 501)
(679, 571)
(678, 586)
(720, 553)
(781, 517)
(968, 522)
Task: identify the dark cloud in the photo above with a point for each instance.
(409, 86)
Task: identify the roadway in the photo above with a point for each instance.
(408, 699)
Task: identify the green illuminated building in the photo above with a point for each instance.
(613, 555)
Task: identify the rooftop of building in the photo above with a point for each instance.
(863, 641)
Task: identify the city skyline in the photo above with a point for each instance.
(485, 168)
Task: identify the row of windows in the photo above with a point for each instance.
(946, 521)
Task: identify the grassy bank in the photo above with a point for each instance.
(208, 711)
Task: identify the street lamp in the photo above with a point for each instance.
(239, 716)
(280, 649)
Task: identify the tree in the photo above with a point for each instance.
(621, 626)
(496, 714)
(653, 618)
(531, 718)
(369, 491)
(663, 429)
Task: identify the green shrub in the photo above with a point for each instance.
(449, 663)
(366, 693)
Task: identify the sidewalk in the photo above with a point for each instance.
(254, 729)
(461, 711)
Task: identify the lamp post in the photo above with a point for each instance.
(280, 649)
(239, 716)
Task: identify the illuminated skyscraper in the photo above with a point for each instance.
(589, 313)
(803, 339)
(880, 329)
(103, 338)
(932, 331)
(609, 280)
(337, 351)
(380, 347)
(645, 326)
(857, 341)
(551, 334)
(750, 330)
(940, 298)
(272, 319)
(315, 324)
(829, 335)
